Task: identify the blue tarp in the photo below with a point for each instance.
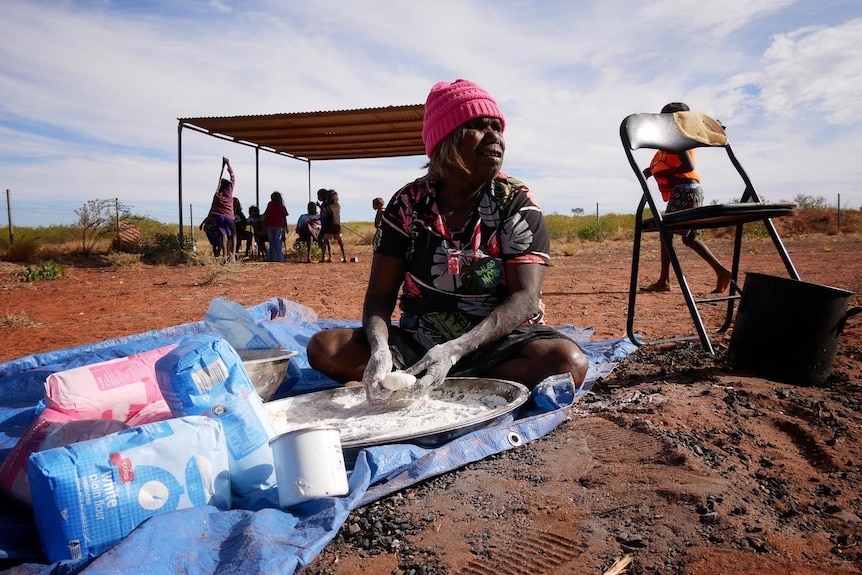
(256, 536)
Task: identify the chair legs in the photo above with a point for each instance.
(690, 300)
(683, 284)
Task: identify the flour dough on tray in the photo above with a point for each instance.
(398, 380)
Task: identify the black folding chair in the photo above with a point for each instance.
(675, 133)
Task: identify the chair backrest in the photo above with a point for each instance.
(675, 133)
(672, 132)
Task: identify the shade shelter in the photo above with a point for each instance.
(390, 131)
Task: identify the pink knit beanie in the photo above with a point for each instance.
(451, 104)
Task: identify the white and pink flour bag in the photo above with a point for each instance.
(113, 389)
(204, 375)
(50, 429)
(156, 411)
(88, 496)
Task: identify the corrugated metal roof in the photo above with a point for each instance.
(343, 134)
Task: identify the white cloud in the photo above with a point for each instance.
(817, 67)
(92, 90)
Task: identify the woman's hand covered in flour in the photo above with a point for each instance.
(378, 367)
(436, 364)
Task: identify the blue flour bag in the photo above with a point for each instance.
(204, 375)
(88, 496)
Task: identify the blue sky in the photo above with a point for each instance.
(90, 92)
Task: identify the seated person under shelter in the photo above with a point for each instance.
(255, 220)
(308, 230)
(468, 248)
(243, 233)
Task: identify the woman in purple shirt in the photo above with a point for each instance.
(221, 211)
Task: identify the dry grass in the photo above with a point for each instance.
(570, 235)
(17, 321)
(218, 272)
(23, 251)
(123, 259)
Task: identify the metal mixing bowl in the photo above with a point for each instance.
(266, 368)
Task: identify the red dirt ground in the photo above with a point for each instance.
(674, 459)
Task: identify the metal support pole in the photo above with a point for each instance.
(257, 176)
(180, 178)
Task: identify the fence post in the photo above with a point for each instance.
(598, 233)
(191, 224)
(117, 219)
(9, 215)
(839, 212)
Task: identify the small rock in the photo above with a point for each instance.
(846, 539)
(757, 544)
(635, 540)
(845, 516)
(710, 518)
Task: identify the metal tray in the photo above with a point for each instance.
(340, 408)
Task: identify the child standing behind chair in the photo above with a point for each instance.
(680, 187)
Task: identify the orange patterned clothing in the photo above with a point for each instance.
(665, 160)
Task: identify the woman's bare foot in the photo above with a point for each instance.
(722, 282)
(657, 287)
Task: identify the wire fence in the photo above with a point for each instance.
(35, 213)
(41, 223)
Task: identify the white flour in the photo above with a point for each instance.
(359, 421)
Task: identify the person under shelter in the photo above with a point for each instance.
(221, 212)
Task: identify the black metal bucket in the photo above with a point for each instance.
(787, 330)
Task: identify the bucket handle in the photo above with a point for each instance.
(850, 313)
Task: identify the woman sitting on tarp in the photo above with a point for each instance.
(468, 248)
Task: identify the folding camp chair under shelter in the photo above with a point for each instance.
(675, 133)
